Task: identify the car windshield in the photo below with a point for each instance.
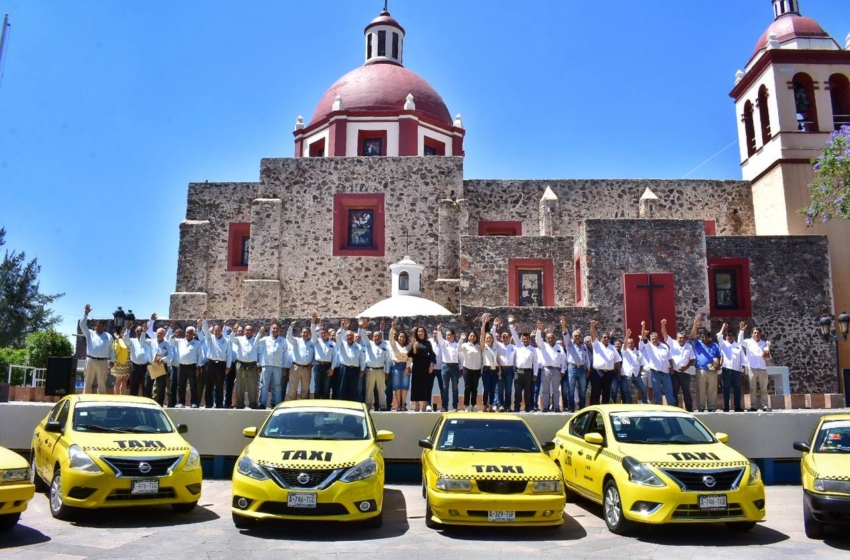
(461, 434)
(833, 437)
(659, 428)
(316, 423)
(103, 417)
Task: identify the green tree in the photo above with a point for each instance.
(42, 344)
(12, 357)
(830, 189)
(23, 308)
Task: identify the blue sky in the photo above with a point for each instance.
(109, 108)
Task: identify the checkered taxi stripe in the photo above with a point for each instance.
(307, 465)
(497, 476)
(816, 474)
(618, 458)
(699, 464)
(137, 449)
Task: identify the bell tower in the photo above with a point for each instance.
(791, 95)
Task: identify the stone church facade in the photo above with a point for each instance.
(319, 231)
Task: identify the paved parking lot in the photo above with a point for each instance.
(208, 532)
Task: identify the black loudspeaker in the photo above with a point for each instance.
(60, 377)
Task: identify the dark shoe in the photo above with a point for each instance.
(725, 410)
(739, 410)
(752, 409)
(700, 410)
(444, 409)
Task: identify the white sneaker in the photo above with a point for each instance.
(180, 406)
(469, 408)
(766, 408)
(427, 409)
(454, 410)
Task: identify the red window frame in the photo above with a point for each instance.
(710, 227)
(436, 144)
(548, 268)
(236, 233)
(343, 202)
(742, 287)
(369, 134)
(316, 147)
(500, 228)
(579, 291)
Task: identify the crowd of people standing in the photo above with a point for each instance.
(224, 366)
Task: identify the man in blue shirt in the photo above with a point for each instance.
(707, 365)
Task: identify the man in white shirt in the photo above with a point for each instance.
(324, 371)
(219, 359)
(188, 357)
(682, 357)
(551, 368)
(630, 369)
(247, 368)
(526, 368)
(606, 362)
(272, 351)
(100, 354)
(447, 350)
(160, 353)
(378, 364)
(139, 359)
(657, 356)
(351, 364)
(438, 367)
(506, 353)
(733, 356)
(755, 352)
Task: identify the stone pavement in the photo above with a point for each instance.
(208, 532)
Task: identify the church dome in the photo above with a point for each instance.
(383, 87)
(791, 26)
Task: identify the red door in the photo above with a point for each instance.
(641, 306)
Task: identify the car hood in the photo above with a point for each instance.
(834, 466)
(310, 454)
(491, 465)
(675, 456)
(11, 460)
(130, 444)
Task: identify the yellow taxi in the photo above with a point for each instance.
(94, 451)
(657, 464)
(480, 469)
(318, 459)
(825, 470)
(16, 487)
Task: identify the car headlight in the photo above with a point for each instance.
(16, 475)
(839, 486)
(80, 460)
(640, 473)
(454, 485)
(193, 463)
(547, 486)
(364, 470)
(755, 474)
(251, 469)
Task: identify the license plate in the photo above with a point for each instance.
(712, 503)
(144, 487)
(501, 516)
(301, 500)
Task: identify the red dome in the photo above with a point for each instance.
(792, 26)
(383, 87)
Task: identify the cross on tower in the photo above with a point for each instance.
(385, 5)
(650, 285)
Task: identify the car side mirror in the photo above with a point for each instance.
(384, 435)
(594, 438)
(250, 432)
(549, 446)
(722, 437)
(182, 428)
(426, 443)
(802, 446)
(53, 426)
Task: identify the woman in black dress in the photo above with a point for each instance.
(422, 355)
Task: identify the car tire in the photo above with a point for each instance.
(429, 517)
(184, 508)
(740, 526)
(58, 509)
(813, 527)
(612, 510)
(40, 485)
(242, 522)
(9, 520)
(375, 522)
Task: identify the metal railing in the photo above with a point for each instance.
(33, 376)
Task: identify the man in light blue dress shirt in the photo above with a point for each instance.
(303, 351)
(218, 363)
(352, 364)
(247, 369)
(378, 364)
(272, 351)
(325, 350)
(100, 355)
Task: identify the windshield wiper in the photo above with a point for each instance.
(510, 448)
(95, 427)
(456, 448)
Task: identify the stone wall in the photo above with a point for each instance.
(484, 267)
(729, 203)
(611, 248)
(790, 285)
